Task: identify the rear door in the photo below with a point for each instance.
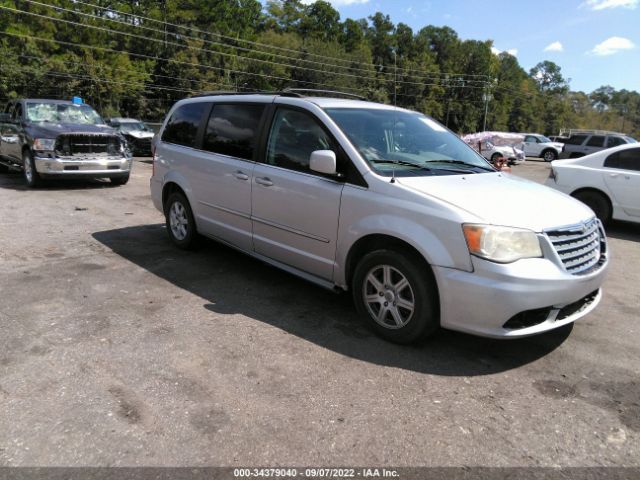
(622, 176)
(295, 210)
(595, 143)
(225, 171)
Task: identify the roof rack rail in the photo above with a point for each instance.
(303, 92)
(572, 131)
(215, 93)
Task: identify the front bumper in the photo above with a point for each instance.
(482, 301)
(103, 166)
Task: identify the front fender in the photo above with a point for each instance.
(444, 248)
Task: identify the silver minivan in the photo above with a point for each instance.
(383, 202)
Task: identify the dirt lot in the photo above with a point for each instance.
(118, 349)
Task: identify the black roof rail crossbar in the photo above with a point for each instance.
(314, 91)
(284, 93)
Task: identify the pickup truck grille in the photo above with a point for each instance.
(581, 248)
(83, 145)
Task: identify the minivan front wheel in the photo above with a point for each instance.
(179, 221)
(396, 296)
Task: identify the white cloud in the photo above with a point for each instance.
(603, 4)
(511, 51)
(554, 47)
(612, 45)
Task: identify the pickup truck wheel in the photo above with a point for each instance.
(597, 202)
(120, 180)
(395, 296)
(179, 221)
(549, 155)
(31, 175)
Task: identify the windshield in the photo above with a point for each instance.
(406, 143)
(544, 139)
(132, 126)
(63, 113)
(631, 140)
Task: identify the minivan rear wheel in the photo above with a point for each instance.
(395, 296)
(179, 221)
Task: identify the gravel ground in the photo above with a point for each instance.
(118, 349)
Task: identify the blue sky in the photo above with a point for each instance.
(595, 42)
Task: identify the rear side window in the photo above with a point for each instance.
(596, 141)
(575, 140)
(625, 159)
(182, 127)
(232, 130)
(615, 141)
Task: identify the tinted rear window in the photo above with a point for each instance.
(615, 141)
(182, 128)
(625, 159)
(596, 141)
(575, 139)
(232, 130)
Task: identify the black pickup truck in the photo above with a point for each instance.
(61, 139)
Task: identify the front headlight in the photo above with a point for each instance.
(44, 144)
(501, 244)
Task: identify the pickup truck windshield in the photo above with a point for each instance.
(63, 113)
(406, 143)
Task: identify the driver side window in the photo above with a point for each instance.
(294, 136)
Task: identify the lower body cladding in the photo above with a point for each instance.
(84, 166)
(514, 300)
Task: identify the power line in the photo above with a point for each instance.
(179, 62)
(140, 37)
(263, 45)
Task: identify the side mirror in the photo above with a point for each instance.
(323, 161)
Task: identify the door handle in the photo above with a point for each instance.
(241, 176)
(265, 181)
(613, 175)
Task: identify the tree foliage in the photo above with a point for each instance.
(136, 58)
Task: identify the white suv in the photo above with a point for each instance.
(381, 201)
(536, 145)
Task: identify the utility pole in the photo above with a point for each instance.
(486, 97)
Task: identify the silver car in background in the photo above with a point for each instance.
(383, 202)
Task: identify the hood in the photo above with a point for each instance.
(139, 134)
(52, 130)
(503, 199)
(556, 145)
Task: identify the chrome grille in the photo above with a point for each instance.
(581, 248)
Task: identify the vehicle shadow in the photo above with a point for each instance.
(624, 230)
(233, 283)
(15, 181)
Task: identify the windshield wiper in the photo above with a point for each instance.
(460, 162)
(402, 162)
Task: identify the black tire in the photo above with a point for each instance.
(189, 240)
(420, 322)
(596, 201)
(122, 180)
(31, 175)
(549, 155)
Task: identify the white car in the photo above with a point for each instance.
(514, 155)
(536, 145)
(607, 181)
